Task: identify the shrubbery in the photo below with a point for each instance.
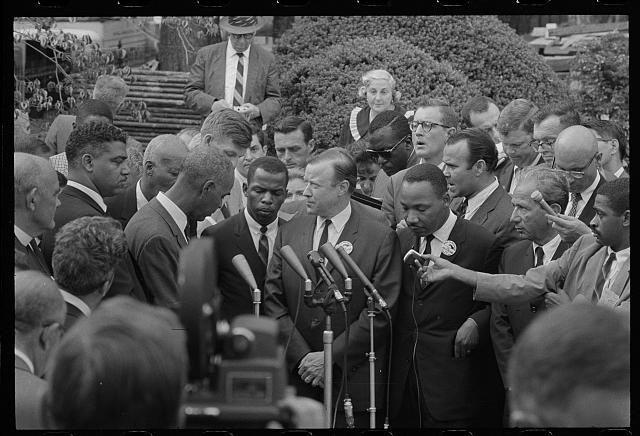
(492, 56)
(324, 88)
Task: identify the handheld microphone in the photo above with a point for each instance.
(290, 257)
(413, 258)
(318, 263)
(537, 197)
(365, 281)
(241, 264)
(331, 254)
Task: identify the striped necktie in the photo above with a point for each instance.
(237, 93)
(575, 199)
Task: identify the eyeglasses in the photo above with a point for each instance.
(385, 154)
(541, 144)
(243, 35)
(426, 125)
(576, 174)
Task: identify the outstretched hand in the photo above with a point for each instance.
(435, 269)
(570, 228)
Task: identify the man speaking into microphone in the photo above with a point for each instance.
(333, 217)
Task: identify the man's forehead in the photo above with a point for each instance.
(430, 113)
(549, 126)
(289, 139)
(516, 137)
(486, 118)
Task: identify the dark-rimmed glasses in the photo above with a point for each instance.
(242, 35)
(426, 125)
(542, 144)
(576, 174)
(385, 154)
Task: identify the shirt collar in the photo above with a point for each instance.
(586, 194)
(90, 192)
(442, 234)
(179, 217)
(76, 302)
(440, 165)
(338, 221)
(141, 200)
(232, 53)
(549, 248)
(619, 172)
(621, 256)
(254, 226)
(22, 236)
(22, 356)
(478, 199)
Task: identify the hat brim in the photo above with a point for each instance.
(224, 25)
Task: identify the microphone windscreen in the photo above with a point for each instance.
(241, 264)
(290, 257)
(332, 255)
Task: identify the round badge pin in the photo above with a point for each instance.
(348, 247)
(449, 248)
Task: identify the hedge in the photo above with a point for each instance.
(324, 88)
(493, 57)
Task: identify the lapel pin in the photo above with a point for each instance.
(348, 247)
(449, 248)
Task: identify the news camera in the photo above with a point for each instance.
(236, 370)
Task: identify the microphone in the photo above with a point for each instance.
(241, 264)
(290, 257)
(365, 281)
(318, 263)
(331, 254)
(537, 197)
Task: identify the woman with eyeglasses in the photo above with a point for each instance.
(379, 88)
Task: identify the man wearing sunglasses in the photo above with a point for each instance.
(612, 143)
(547, 125)
(235, 74)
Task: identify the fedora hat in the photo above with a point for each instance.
(241, 24)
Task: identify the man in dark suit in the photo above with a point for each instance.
(158, 231)
(36, 191)
(441, 342)
(235, 74)
(39, 319)
(162, 161)
(612, 144)
(97, 168)
(86, 253)
(540, 245)
(470, 158)
(331, 178)
(251, 233)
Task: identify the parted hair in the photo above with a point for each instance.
(567, 113)
(447, 113)
(227, 124)
(343, 164)
(270, 164)
(552, 184)
(91, 138)
(479, 144)
(123, 367)
(37, 301)
(427, 172)
(291, 124)
(609, 130)
(86, 253)
(477, 104)
(617, 193)
(518, 114)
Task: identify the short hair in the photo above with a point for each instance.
(291, 124)
(447, 113)
(295, 173)
(206, 163)
(477, 104)
(270, 164)
(93, 107)
(227, 125)
(344, 166)
(378, 75)
(552, 184)
(91, 138)
(256, 130)
(111, 90)
(37, 301)
(30, 144)
(518, 114)
(27, 174)
(396, 123)
(427, 172)
(86, 253)
(358, 151)
(567, 349)
(617, 193)
(479, 144)
(172, 141)
(129, 366)
(610, 130)
(567, 113)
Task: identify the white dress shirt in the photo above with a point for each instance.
(474, 203)
(439, 236)
(549, 249)
(76, 302)
(254, 229)
(586, 195)
(20, 355)
(141, 200)
(179, 217)
(230, 73)
(91, 193)
(335, 228)
(619, 172)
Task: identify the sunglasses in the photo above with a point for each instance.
(243, 35)
(385, 154)
(576, 174)
(426, 125)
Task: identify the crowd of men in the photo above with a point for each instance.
(501, 251)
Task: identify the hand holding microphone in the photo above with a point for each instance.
(537, 197)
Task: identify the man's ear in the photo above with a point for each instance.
(107, 284)
(311, 144)
(479, 166)
(86, 160)
(206, 139)
(245, 188)
(446, 198)
(208, 187)
(31, 199)
(615, 145)
(451, 131)
(50, 336)
(626, 218)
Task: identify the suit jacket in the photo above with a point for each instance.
(232, 236)
(495, 215)
(207, 76)
(75, 204)
(390, 200)
(377, 253)
(30, 390)
(73, 315)
(576, 272)
(35, 261)
(123, 206)
(588, 212)
(298, 207)
(509, 321)
(155, 242)
(452, 388)
(505, 173)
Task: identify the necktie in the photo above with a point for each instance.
(462, 208)
(575, 198)
(427, 247)
(325, 233)
(514, 180)
(263, 246)
(604, 273)
(186, 232)
(237, 93)
(34, 251)
(539, 301)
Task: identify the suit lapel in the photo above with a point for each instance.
(457, 236)
(621, 284)
(245, 242)
(73, 192)
(178, 233)
(130, 206)
(588, 212)
(218, 63)
(252, 74)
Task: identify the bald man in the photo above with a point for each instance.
(40, 312)
(36, 191)
(577, 155)
(162, 162)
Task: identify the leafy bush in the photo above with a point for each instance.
(324, 88)
(492, 56)
(600, 78)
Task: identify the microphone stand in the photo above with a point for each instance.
(372, 363)
(256, 302)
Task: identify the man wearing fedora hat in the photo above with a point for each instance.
(235, 74)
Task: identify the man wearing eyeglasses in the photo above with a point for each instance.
(235, 74)
(547, 125)
(612, 144)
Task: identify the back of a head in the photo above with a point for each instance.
(269, 164)
(291, 124)
(391, 121)
(358, 151)
(110, 89)
(29, 171)
(129, 366)
(91, 109)
(567, 353)
(344, 166)
(552, 184)
(477, 104)
(567, 113)
(31, 144)
(38, 302)
(164, 145)
(616, 192)
(608, 130)
(227, 125)
(448, 115)
(575, 142)
(206, 163)
(91, 138)
(427, 172)
(517, 115)
(479, 144)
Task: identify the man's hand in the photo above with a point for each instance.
(556, 299)
(311, 368)
(437, 270)
(218, 105)
(401, 225)
(570, 228)
(467, 338)
(251, 112)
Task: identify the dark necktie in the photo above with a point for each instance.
(604, 273)
(462, 208)
(35, 253)
(263, 246)
(539, 301)
(575, 199)
(427, 248)
(325, 233)
(237, 93)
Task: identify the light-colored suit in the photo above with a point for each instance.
(30, 391)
